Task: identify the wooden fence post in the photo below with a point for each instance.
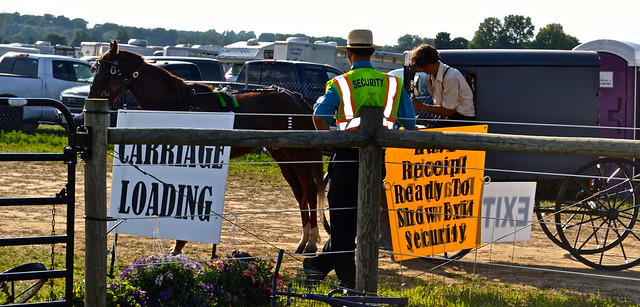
(369, 200)
(95, 187)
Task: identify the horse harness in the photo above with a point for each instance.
(226, 98)
(115, 70)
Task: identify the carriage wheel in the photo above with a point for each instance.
(545, 212)
(596, 210)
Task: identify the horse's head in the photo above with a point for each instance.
(114, 70)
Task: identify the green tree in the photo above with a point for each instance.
(514, 31)
(552, 36)
(488, 34)
(443, 40)
(517, 31)
(55, 39)
(459, 43)
(123, 36)
(79, 37)
(408, 42)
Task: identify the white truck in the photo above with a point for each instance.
(27, 75)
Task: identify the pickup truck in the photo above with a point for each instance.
(306, 78)
(73, 98)
(29, 75)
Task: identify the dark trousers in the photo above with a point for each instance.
(343, 193)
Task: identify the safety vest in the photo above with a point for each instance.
(366, 87)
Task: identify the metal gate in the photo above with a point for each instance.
(66, 197)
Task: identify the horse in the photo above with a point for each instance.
(156, 89)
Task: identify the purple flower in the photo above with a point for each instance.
(166, 294)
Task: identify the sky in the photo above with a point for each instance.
(612, 19)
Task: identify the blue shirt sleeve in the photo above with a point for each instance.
(406, 113)
(327, 105)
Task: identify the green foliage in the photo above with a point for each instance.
(240, 280)
(55, 39)
(437, 293)
(553, 37)
(45, 140)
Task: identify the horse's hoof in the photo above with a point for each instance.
(310, 249)
(175, 251)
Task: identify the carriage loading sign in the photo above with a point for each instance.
(170, 191)
(434, 198)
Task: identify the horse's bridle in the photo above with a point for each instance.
(113, 71)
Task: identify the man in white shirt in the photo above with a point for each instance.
(452, 95)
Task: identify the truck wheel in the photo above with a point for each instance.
(10, 118)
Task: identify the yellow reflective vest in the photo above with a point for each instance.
(366, 87)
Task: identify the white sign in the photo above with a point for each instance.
(170, 191)
(507, 211)
(606, 79)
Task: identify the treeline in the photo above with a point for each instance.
(512, 32)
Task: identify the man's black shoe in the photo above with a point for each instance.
(313, 275)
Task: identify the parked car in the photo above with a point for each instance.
(306, 78)
(211, 69)
(73, 98)
(27, 75)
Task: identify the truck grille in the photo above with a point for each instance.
(74, 104)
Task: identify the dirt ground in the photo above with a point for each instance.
(538, 263)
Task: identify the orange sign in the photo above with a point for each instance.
(434, 197)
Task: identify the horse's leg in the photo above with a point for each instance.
(310, 176)
(314, 172)
(176, 249)
(289, 173)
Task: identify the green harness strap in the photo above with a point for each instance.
(223, 102)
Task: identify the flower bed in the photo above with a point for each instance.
(166, 280)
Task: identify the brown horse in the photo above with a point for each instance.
(156, 89)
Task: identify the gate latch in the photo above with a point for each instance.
(83, 142)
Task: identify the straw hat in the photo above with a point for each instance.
(359, 39)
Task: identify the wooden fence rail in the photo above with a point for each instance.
(370, 138)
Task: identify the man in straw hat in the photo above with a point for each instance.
(340, 105)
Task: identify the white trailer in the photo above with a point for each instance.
(299, 49)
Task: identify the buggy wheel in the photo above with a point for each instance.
(20, 291)
(596, 212)
(545, 213)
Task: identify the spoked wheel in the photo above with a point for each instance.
(545, 212)
(596, 213)
(20, 291)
